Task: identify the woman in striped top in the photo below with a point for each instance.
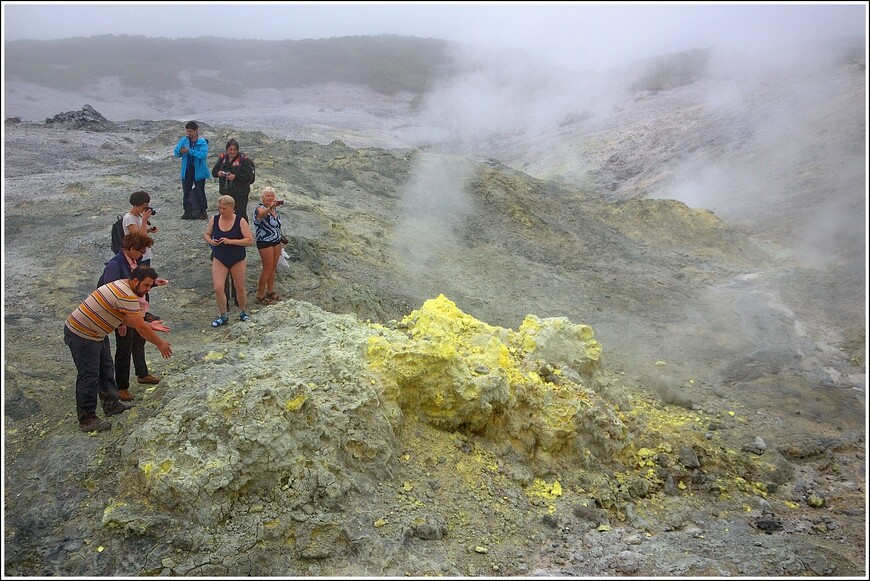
(267, 223)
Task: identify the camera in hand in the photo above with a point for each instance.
(152, 210)
(279, 202)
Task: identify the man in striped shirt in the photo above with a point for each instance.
(86, 333)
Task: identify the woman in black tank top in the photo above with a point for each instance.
(228, 235)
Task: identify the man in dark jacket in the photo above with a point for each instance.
(127, 340)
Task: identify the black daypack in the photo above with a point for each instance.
(117, 234)
(242, 157)
(253, 167)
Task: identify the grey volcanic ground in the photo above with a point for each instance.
(742, 308)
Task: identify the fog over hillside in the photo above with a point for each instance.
(741, 123)
(579, 36)
(772, 142)
(775, 146)
(679, 241)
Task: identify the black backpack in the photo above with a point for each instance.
(117, 234)
(242, 157)
(253, 167)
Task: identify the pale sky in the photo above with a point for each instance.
(578, 35)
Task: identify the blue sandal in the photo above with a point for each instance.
(243, 316)
(221, 320)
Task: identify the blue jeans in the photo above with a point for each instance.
(96, 372)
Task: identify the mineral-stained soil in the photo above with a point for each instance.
(693, 394)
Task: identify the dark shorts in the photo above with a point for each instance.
(228, 255)
(261, 245)
(231, 261)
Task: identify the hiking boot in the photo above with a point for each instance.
(125, 395)
(149, 379)
(91, 423)
(116, 408)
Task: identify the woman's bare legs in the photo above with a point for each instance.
(238, 272)
(276, 256)
(269, 258)
(218, 276)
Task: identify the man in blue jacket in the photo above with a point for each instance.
(193, 151)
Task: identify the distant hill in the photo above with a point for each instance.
(386, 63)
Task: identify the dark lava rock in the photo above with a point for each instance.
(88, 118)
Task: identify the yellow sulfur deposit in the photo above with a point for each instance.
(163, 468)
(295, 403)
(542, 389)
(528, 386)
(541, 489)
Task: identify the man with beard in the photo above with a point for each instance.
(86, 333)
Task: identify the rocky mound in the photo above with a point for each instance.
(88, 118)
(282, 444)
(395, 439)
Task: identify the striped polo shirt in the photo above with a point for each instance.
(103, 310)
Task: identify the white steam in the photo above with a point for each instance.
(752, 136)
(433, 206)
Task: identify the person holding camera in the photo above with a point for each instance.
(138, 221)
(193, 151)
(270, 244)
(234, 172)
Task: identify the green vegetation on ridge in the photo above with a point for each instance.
(387, 63)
